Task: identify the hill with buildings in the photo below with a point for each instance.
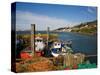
(83, 28)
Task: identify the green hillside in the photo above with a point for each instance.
(86, 28)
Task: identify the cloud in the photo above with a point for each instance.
(91, 10)
(24, 19)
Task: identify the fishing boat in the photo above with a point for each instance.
(39, 47)
(59, 48)
(39, 44)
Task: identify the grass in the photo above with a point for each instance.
(87, 31)
(28, 36)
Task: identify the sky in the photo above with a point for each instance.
(52, 15)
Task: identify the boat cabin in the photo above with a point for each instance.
(39, 44)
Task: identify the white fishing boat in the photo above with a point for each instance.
(39, 44)
(59, 48)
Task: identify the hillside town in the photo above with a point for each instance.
(84, 28)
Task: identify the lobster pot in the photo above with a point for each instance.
(79, 58)
(60, 60)
(72, 59)
(69, 59)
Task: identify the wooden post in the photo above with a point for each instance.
(47, 36)
(33, 38)
(64, 62)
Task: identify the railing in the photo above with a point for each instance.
(90, 55)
